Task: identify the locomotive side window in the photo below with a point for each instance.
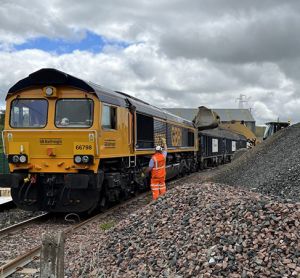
(144, 131)
(72, 113)
(28, 113)
(109, 117)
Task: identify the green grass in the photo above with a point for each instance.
(107, 225)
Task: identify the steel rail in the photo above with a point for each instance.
(19, 262)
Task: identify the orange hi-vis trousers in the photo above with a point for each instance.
(158, 188)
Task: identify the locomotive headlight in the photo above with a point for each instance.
(15, 159)
(22, 158)
(85, 159)
(49, 91)
(77, 159)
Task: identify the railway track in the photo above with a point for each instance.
(33, 253)
(15, 238)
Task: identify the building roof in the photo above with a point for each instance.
(235, 114)
(226, 115)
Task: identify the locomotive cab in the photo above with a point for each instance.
(50, 139)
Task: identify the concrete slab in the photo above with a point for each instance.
(28, 271)
(5, 200)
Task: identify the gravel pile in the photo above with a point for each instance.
(272, 167)
(202, 230)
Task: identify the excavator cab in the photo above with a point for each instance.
(273, 127)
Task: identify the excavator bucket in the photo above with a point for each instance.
(206, 119)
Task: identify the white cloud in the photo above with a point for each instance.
(261, 111)
(142, 71)
(184, 55)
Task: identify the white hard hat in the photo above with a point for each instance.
(158, 148)
(64, 121)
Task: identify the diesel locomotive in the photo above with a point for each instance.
(74, 146)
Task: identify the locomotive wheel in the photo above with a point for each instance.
(103, 205)
(103, 200)
(182, 168)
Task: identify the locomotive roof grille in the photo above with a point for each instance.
(52, 77)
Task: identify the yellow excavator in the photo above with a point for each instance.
(239, 127)
(208, 119)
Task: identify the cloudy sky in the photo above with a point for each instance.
(171, 53)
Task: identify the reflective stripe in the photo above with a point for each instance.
(155, 161)
(158, 185)
(156, 164)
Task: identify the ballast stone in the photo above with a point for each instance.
(231, 232)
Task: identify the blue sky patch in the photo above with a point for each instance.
(91, 42)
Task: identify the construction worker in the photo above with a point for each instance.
(157, 167)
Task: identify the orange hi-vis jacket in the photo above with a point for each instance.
(158, 173)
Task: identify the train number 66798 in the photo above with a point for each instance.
(84, 147)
